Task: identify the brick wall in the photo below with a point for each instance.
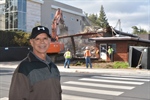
(121, 51)
(122, 48)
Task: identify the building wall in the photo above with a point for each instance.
(2, 22)
(46, 11)
(121, 51)
(144, 36)
(39, 12)
(2, 16)
(33, 15)
(72, 16)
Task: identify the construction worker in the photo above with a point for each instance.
(110, 53)
(87, 55)
(68, 57)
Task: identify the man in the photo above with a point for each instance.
(110, 52)
(68, 57)
(36, 77)
(87, 55)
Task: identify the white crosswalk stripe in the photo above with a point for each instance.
(96, 91)
(129, 76)
(5, 98)
(98, 85)
(112, 81)
(71, 97)
(116, 84)
(145, 80)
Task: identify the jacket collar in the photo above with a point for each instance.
(32, 57)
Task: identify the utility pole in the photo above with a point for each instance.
(118, 24)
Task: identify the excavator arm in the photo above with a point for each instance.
(55, 46)
(58, 19)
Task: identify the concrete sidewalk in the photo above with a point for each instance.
(82, 69)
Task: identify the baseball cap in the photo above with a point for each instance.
(38, 30)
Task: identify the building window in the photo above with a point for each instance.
(15, 15)
(16, 20)
(64, 17)
(72, 18)
(52, 16)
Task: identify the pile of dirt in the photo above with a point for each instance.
(103, 65)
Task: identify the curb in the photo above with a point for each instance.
(81, 69)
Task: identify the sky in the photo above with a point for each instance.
(129, 12)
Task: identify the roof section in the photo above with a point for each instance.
(79, 34)
(38, 1)
(119, 39)
(123, 33)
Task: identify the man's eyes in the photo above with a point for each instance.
(41, 39)
(45, 38)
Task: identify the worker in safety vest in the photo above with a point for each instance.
(68, 57)
(87, 55)
(110, 52)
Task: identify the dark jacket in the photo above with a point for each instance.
(34, 79)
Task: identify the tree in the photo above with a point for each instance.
(93, 18)
(100, 20)
(136, 30)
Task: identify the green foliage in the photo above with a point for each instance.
(21, 38)
(78, 63)
(93, 18)
(136, 30)
(13, 39)
(119, 64)
(100, 20)
(6, 38)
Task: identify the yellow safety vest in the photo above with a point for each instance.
(67, 54)
(110, 50)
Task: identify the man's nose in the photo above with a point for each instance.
(42, 40)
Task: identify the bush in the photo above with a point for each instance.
(13, 39)
(120, 64)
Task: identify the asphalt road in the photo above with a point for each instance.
(92, 86)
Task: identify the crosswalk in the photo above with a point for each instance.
(98, 87)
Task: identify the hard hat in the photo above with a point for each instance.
(87, 48)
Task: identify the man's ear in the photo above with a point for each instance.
(31, 41)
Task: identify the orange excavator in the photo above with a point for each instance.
(56, 47)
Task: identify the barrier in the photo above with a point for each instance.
(13, 53)
(139, 56)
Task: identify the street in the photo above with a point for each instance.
(92, 86)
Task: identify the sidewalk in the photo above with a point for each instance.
(82, 69)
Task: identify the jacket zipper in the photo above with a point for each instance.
(49, 67)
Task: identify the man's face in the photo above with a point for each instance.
(40, 43)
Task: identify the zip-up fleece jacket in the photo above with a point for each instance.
(34, 79)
